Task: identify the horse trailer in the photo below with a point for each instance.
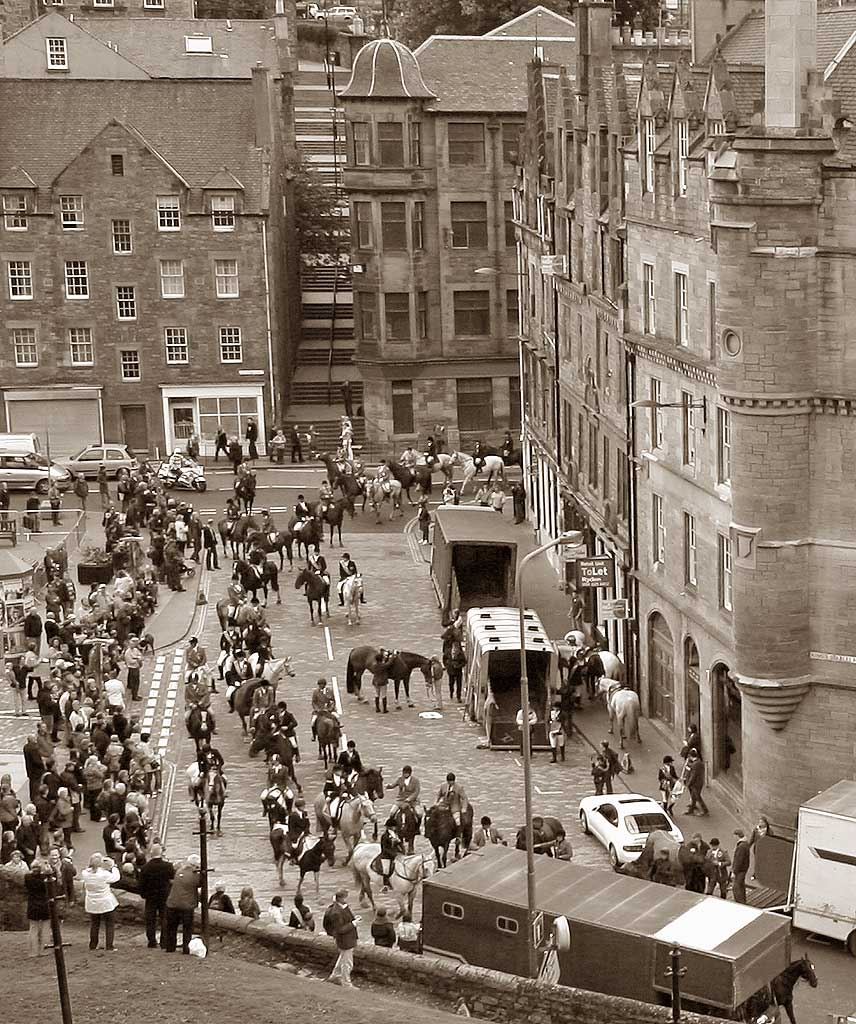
(492, 678)
(474, 558)
(622, 930)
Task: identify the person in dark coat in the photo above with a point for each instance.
(221, 900)
(694, 780)
(236, 454)
(221, 444)
(38, 909)
(740, 866)
(518, 501)
(252, 436)
(33, 628)
(34, 764)
(209, 543)
(180, 904)
(339, 923)
(296, 445)
(153, 885)
(692, 742)
(383, 930)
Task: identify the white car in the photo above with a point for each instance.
(622, 821)
(343, 13)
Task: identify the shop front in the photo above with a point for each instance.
(64, 418)
(203, 410)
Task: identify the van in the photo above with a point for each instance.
(20, 444)
(21, 470)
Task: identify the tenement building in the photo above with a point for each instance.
(732, 239)
(432, 142)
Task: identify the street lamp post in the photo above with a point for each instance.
(571, 537)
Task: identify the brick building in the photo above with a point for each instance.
(432, 140)
(16, 14)
(147, 274)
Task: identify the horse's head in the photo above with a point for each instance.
(374, 783)
(807, 972)
(367, 807)
(301, 579)
(328, 847)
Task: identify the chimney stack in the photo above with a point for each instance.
(790, 55)
(262, 106)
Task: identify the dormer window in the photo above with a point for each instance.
(223, 213)
(198, 44)
(716, 127)
(15, 213)
(647, 145)
(57, 53)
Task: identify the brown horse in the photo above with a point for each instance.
(236, 532)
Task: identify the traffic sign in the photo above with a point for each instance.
(550, 970)
(596, 572)
(617, 609)
(571, 552)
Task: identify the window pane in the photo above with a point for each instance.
(469, 225)
(207, 406)
(472, 314)
(475, 403)
(362, 144)
(511, 142)
(394, 226)
(397, 309)
(390, 140)
(466, 143)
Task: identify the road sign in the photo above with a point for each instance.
(538, 929)
(571, 552)
(617, 609)
(550, 971)
(596, 572)
(553, 265)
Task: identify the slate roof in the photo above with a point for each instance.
(386, 69)
(745, 43)
(157, 45)
(195, 127)
(540, 22)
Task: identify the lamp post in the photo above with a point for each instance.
(564, 539)
(649, 403)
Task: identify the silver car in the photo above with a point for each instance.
(112, 456)
(28, 471)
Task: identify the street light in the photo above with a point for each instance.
(649, 403)
(571, 537)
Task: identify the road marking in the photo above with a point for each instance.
(343, 736)
(328, 638)
(548, 792)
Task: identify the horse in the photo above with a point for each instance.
(245, 490)
(314, 851)
(407, 873)
(370, 783)
(600, 665)
(214, 796)
(235, 532)
(317, 591)
(399, 669)
(419, 477)
(354, 812)
(276, 742)
(624, 709)
(277, 803)
(333, 513)
(352, 592)
(309, 534)
(242, 698)
(348, 483)
(492, 463)
(200, 724)
(329, 732)
(442, 462)
(360, 660)
(377, 495)
(440, 830)
(407, 824)
(254, 575)
(782, 986)
(276, 542)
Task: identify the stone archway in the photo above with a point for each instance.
(661, 669)
(692, 686)
(727, 726)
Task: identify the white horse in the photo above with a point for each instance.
(407, 873)
(443, 462)
(352, 592)
(492, 463)
(624, 709)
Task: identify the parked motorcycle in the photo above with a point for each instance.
(189, 475)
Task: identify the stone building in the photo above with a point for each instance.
(16, 14)
(432, 141)
(148, 280)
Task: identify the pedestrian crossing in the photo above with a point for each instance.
(162, 699)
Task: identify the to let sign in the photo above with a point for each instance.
(596, 572)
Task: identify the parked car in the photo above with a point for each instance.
(30, 471)
(342, 13)
(113, 456)
(622, 821)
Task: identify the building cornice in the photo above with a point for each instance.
(790, 404)
(669, 359)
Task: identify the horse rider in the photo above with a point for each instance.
(298, 827)
(263, 698)
(336, 787)
(302, 511)
(408, 458)
(408, 787)
(453, 796)
(232, 509)
(384, 477)
(430, 451)
(196, 659)
(390, 846)
(349, 759)
(323, 700)
(318, 564)
(209, 757)
(196, 692)
(325, 495)
(347, 568)
(287, 724)
(268, 527)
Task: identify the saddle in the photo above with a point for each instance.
(272, 536)
(383, 865)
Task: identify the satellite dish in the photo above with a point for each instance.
(562, 934)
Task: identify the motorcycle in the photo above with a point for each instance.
(190, 476)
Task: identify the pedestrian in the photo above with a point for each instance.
(180, 904)
(38, 908)
(383, 930)
(221, 443)
(717, 869)
(424, 520)
(556, 733)
(236, 455)
(440, 437)
(221, 900)
(133, 658)
(409, 935)
(4, 501)
(340, 923)
(247, 904)
(694, 779)
(613, 763)
(740, 865)
(103, 487)
(518, 501)
(55, 502)
(348, 399)
(99, 901)
(153, 884)
(33, 629)
(33, 519)
(600, 774)
(209, 542)
(17, 685)
(252, 436)
(497, 498)
(301, 915)
(81, 489)
(692, 742)
(667, 780)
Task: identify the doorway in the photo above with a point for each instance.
(661, 669)
(727, 726)
(183, 421)
(135, 428)
(692, 686)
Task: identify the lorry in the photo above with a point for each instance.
(474, 558)
(622, 930)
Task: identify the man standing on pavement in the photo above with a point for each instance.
(172, 562)
(180, 904)
(133, 658)
(34, 764)
(740, 865)
(613, 763)
(296, 445)
(154, 882)
(694, 780)
(33, 629)
(340, 923)
(209, 542)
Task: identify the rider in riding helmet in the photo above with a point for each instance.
(349, 759)
(430, 450)
(323, 700)
(335, 787)
(390, 845)
(384, 476)
(209, 757)
(267, 525)
(318, 564)
(408, 458)
(301, 509)
(453, 795)
(347, 568)
(325, 492)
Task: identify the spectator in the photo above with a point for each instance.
(740, 865)
(424, 520)
(133, 658)
(181, 902)
(613, 763)
(236, 454)
(103, 487)
(247, 904)
(252, 436)
(301, 915)
(55, 501)
(296, 446)
(717, 869)
(694, 779)
(222, 901)
(16, 869)
(38, 908)
(100, 903)
(153, 885)
(383, 930)
(64, 871)
(62, 816)
(409, 935)
(340, 923)
(486, 835)
(221, 444)
(275, 911)
(600, 774)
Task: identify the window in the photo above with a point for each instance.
(512, 311)
(688, 429)
(390, 143)
(723, 446)
(15, 213)
(80, 346)
(24, 345)
(20, 279)
(129, 361)
(593, 455)
(76, 279)
(397, 311)
(514, 403)
(363, 218)
(153, 4)
(658, 531)
(223, 213)
(418, 227)
(453, 910)
(647, 145)
(726, 573)
(510, 230)
(511, 142)
(71, 212)
(121, 233)
(169, 213)
(682, 309)
(57, 51)
(716, 127)
(605, 489)
(102, 3)
(414, 133)
(126, 302)
(367, 306)
(469, 225)
(649, 308)
(231, 413)
(226, 279)
(690, 554)
(402, 407)
(172, 279)
(475, 403)
(231, 350)
(198, 44)
(656, 389)
(393, 226)
(422, 315)
(466, 143)
(682, 139)
(472, 314)
(622, 491)
(362, 144)
(175, 342)
(507, 924)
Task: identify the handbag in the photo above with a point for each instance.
(678, 789)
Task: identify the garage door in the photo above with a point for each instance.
(70, 422)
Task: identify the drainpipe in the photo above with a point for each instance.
(273, 396)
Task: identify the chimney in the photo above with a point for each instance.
(262, 106)
(790, 55)
(594, 40)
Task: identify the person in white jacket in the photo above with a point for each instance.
(100, 903)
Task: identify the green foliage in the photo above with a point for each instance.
(648, 10)
(415, 20)
(317, 224)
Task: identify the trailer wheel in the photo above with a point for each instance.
(584, 823)
(851, 943)
(613, 857)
